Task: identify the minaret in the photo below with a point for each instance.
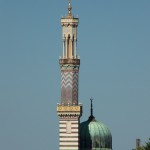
(69, 110)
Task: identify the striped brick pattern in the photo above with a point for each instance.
(69, 141)
(69, 87)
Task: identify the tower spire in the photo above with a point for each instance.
(69, 8)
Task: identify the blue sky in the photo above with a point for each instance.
(114, 46)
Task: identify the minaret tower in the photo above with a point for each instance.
(69, 110)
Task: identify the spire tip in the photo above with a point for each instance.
(91, 99)
(91, 118)
(69, 7)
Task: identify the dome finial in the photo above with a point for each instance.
(91, 99)
(91, 118)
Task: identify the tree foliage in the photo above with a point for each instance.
(146, 146)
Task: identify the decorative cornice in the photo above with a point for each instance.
(69, 108)
(69, 61)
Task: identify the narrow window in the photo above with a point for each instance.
(68, 46)
(73, 47)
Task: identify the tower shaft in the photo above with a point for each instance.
(69, 110)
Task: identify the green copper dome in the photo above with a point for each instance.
(94, 135)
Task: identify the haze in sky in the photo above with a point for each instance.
(114, 47)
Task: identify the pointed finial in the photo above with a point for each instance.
(91, 118)
(69, 7)
(91, 99)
